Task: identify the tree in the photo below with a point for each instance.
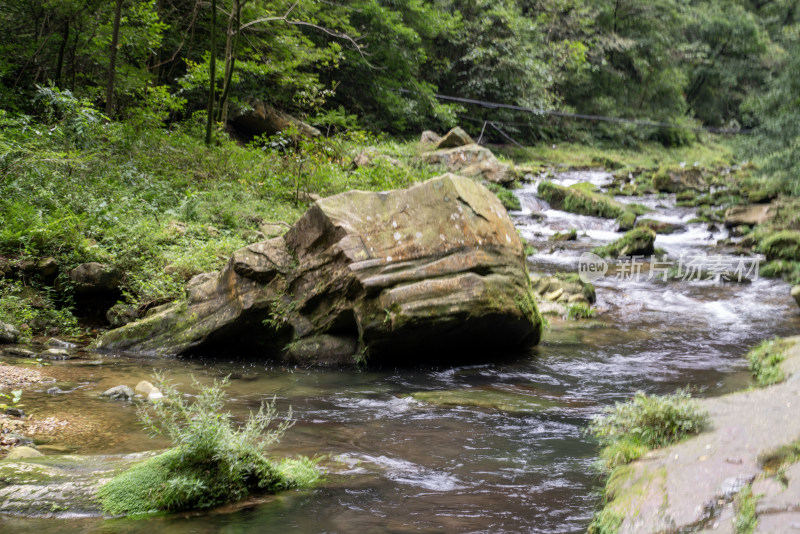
(112, 63)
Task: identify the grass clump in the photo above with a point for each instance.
(765, 361)
(580, 310)
(213, 462)
(745, 504)
(507, 198)
(784, 245)
(606, 521)
(629, 429)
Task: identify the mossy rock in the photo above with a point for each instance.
(637, 242)
(659, 227)
(487, 398)
(783, 245)
(580, 200)
(571, 235)
(674, 180)
(626, 221)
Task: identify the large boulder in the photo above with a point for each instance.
(260, 118)
(8, 333)
(429, 138)
(454, 138)
(750, 215)
(796, 294)
(95, 278)
(428, 272)
(472, 160)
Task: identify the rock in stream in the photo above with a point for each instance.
(436, 270)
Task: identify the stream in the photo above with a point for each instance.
(400, 465)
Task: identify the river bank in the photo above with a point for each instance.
(740, 475)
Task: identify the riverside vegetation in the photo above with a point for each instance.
(212, 462)
(118, 147)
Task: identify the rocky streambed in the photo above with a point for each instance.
(497, 445)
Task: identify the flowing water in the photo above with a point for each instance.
(399, 465)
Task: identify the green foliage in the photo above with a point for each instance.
(783, 245)
(212, 462)
(765, 361)
(507, 198)
(628, 430)
(17, 309)
(13, 399)
(580, 310)
(745, 503)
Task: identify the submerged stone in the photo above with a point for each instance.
(495, 399)
(118, 393)
(434, 269)
(18, 453)
(58, 486)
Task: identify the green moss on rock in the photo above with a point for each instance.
(637, 242)
(580, 200)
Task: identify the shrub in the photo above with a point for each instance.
(212, 462)
(765, 360)
(629, 429)
(17, 310)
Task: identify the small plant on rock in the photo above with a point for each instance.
(765, 362)
(629, 429)
(212, 462)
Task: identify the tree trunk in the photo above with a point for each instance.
(212, 72)
(231, 46)
(62, 52)
(112, 66)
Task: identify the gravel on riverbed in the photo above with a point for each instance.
(12, 376)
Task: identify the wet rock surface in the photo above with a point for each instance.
(685, 486)
(397, 273)
(58, 486)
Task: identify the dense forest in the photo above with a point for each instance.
(724, 63)
(143, 217)
(108, 107)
